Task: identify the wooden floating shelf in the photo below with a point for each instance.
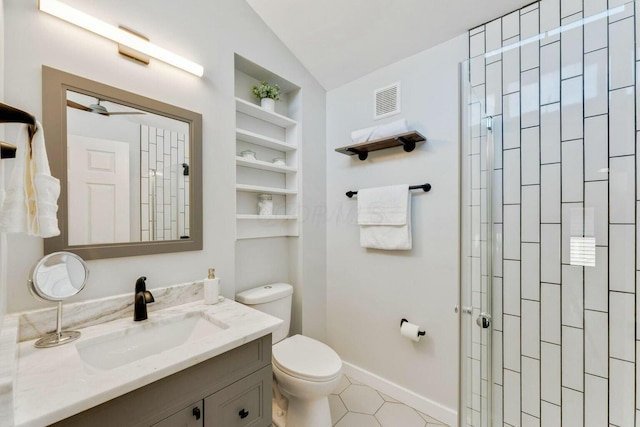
(407, 140)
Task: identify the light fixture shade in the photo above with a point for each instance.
(95, 25)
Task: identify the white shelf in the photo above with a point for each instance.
(265, 166)
(258, 112)
(263, 141)
(260, 189)
(267, 217)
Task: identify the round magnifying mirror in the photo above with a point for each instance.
(56, 277)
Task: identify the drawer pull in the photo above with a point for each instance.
(196, 412)
(243, 413)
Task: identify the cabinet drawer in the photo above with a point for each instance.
(242, 404)
(191, 416)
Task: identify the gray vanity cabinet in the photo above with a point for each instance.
(232, 389)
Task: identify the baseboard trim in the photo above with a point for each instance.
(422, 404)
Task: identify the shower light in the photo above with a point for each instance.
(118, 35)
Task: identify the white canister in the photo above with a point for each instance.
(248, 154)
(265, 204)
(279, 161)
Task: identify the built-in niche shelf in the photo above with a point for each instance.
(260, 113)
(408, 140)
(265, 166)
(269, 134)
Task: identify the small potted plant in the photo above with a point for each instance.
(268, 94)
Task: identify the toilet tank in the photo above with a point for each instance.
(274, 299)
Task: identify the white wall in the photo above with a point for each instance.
(208, 32)
(370, 291)
(3, 251)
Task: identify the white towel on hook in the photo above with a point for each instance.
(31, 202)
(384, 216)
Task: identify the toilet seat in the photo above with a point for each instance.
(305, 358)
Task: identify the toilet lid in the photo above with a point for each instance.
(305, 358)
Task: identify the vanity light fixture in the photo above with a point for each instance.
(118, 35)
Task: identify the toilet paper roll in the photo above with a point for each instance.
(410, 330)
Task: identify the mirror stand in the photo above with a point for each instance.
(58, 337)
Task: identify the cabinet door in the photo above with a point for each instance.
(242, 404)
(191, 416)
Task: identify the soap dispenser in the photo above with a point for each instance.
(211, 287)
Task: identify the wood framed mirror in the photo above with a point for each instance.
(130, 169)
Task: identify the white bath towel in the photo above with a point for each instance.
(384, 216)
(31, 202)
(381, 131)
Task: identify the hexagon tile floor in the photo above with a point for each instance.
(354, 404)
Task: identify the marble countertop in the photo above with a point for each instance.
(54, 383)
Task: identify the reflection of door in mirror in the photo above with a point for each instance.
(98, 183)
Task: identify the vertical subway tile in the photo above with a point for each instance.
(621, 53)
(530, 219)
(494, 88)
(511, 398)
(622, 258)
(621, 392)
(511, 289)
(572, 296)
(493, 37)
(550, 73)
(572, 48)
(511, 66)
(477, 72)
(622, 323)
(621, 122)
(596, 95)
(530, 98)
(531, 386)
(511, 121)
(596, 205)
(529, 36)
(596, 148)
(510, 25)
(530, 155)
(476, 44)
(570, 7)
(596, 25)
(529, 420)
(550, 415)
(572, 227)
(511, 175)
(596, 391)
(550, 238)
(497, 303)
(572, 109)
(549, 19)
(497, 196)
(511, 232)
(530, 265)
(550, 322)
(550, 373)
(530, 329)
(496, 355)
(596, 343)
(497, 405)
(572, 171)
(511, 343)
(550, 193)
(572, 408)
(622, 189)
(596, 282)
(572, 358)
(550, 133)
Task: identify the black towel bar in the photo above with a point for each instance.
(423, 187)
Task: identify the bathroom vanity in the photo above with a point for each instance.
(233, 389)
(188, 364)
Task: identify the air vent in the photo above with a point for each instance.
(386, 101)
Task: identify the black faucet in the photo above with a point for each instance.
(140, 299)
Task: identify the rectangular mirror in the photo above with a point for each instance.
(130, 169)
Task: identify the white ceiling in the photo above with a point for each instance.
(341, 40)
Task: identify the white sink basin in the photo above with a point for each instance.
(147, 338)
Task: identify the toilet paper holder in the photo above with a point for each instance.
(420, 333)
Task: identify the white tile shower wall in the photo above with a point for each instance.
(565, 341)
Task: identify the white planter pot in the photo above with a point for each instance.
(268, 104)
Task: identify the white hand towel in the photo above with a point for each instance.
(361, 135)
(384, 216)
(31, 202)
(390, 129)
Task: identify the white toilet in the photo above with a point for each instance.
(306, 371)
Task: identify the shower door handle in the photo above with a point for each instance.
(484, 320)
